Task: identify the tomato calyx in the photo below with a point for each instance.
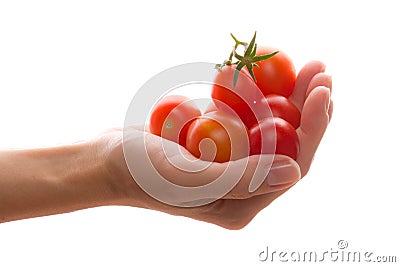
(229, 60)
(249, 58)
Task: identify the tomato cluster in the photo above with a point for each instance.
(250, 113)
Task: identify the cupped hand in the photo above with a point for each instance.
(259, 179)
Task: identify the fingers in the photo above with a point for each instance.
(265, 174)
(314, 120)
(320, 79)
(239, 207)
(303, 80)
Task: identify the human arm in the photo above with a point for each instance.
(44, 181)
(39, 182)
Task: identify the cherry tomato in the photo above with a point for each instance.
(217, 136)
(271, 131)
(283, 108)
(276, 75)
(172, 116)
(244, 98)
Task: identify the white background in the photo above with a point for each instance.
(68, 70)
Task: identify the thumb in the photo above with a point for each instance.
(265, 174)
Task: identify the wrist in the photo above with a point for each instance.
(80, 169)
(116, 178)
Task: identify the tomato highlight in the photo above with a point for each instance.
(218, 136)
(172, 116)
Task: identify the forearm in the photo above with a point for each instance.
(38, 182)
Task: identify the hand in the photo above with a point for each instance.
(238, 206)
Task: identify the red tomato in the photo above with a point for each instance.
(271, 131)
(276, 75)
(218, 136)
(172, 116)
(283, 108)
(244, 98)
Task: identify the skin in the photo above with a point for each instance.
(46, 181)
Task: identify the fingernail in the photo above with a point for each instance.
(327, 100)
(330, 81)
(283, 172)
(322, 66)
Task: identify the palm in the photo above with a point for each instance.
(238, 207)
